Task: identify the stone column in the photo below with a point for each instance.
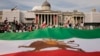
(54, 19)
(44, 18)
(75, 18)
(37, 19)
(50, 18)
(57, 19)
(80, 19)
(41, 19)
(48, 22)
(83, 19)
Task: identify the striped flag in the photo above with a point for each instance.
(51, 42)
(43, 25)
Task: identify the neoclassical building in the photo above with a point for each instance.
(56, 17)
(46, 14)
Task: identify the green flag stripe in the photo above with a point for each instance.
(55, 33)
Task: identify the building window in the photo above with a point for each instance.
(29, 18)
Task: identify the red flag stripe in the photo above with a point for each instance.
(54, 53)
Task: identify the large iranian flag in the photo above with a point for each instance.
(51, 42)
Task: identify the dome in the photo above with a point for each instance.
(46, 3)
(36, 8)
(46, 6)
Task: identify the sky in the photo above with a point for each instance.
(62, 5)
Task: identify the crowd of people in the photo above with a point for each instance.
(16, 26)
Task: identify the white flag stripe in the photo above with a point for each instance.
(11, 46)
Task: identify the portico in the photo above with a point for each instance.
(48, 18)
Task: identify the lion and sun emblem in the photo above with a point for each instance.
(46, 43)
